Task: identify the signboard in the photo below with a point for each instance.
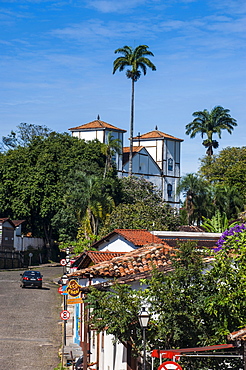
(65, 315)
(169, 365)
(63, 262)
(60, 290)
(74, 300)
(73, 288)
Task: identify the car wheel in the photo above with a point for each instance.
(23, 286)
(40, 287)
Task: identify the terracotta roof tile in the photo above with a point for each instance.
(156, 134)
(135, 149)
(96, 124)
(88, 257)
(135, 262)
(138, 237)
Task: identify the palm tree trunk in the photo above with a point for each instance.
(131, 129)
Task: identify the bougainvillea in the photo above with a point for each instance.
(231, 237)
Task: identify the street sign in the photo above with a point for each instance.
(74, 300)
(169, 365)
(60, 290)
(65, 315)
(73, 288)
(63, 262)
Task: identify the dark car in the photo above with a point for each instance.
(31, 278)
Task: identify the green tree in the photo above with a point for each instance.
(24, 134)
(141, 207)
(210, 123)
(109, 149)
(217, 224)
(34, 181)
(137, 60)
(197, 197)
(227, 168)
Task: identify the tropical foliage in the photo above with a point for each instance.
(194, 305)
(227, 168)
(210, 123)
(137, 60)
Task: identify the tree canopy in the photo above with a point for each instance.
(34, 181)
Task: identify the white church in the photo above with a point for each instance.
(156, 155)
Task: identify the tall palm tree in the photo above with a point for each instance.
(209, 123)
(136, 59)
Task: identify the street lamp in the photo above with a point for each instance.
(143, 318)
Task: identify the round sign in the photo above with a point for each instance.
(63, 262)
(169, 365)
(60, 289)
(65, 315)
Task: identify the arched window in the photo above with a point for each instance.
(170, 164)
(169, 190)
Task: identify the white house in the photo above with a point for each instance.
(156, 155)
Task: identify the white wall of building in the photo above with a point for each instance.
(117, 244)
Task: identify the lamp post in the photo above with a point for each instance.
(143, 318)
(67, 261)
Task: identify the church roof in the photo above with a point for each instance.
(156, 134)
(97, 124)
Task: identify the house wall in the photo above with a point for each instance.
(116, 244)
(6, 236)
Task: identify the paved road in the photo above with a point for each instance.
(30, 325)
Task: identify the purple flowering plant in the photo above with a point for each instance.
(232, 238)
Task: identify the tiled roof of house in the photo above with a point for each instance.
(92, 257)
(6, 219)
(138, 237)
(18, 222)
(156, 134)
(126, 152)
(137, 262)
(95, 125)
(135, 149)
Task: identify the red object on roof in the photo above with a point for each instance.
(97, 124)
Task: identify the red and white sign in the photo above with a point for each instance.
(65, 315)
(169, 365)
(60, 289)
(63, 262)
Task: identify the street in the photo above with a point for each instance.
(30, 325)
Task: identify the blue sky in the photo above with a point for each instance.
(57, 56)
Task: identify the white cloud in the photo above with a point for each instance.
(113, 6)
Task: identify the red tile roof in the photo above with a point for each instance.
(137, 262)
(136, 149)
(18, 222)
(96, 124)
(138, 237)
(92, 257)
(156, 134)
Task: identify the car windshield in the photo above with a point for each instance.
(32, 273)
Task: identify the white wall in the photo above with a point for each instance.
(117, 244)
